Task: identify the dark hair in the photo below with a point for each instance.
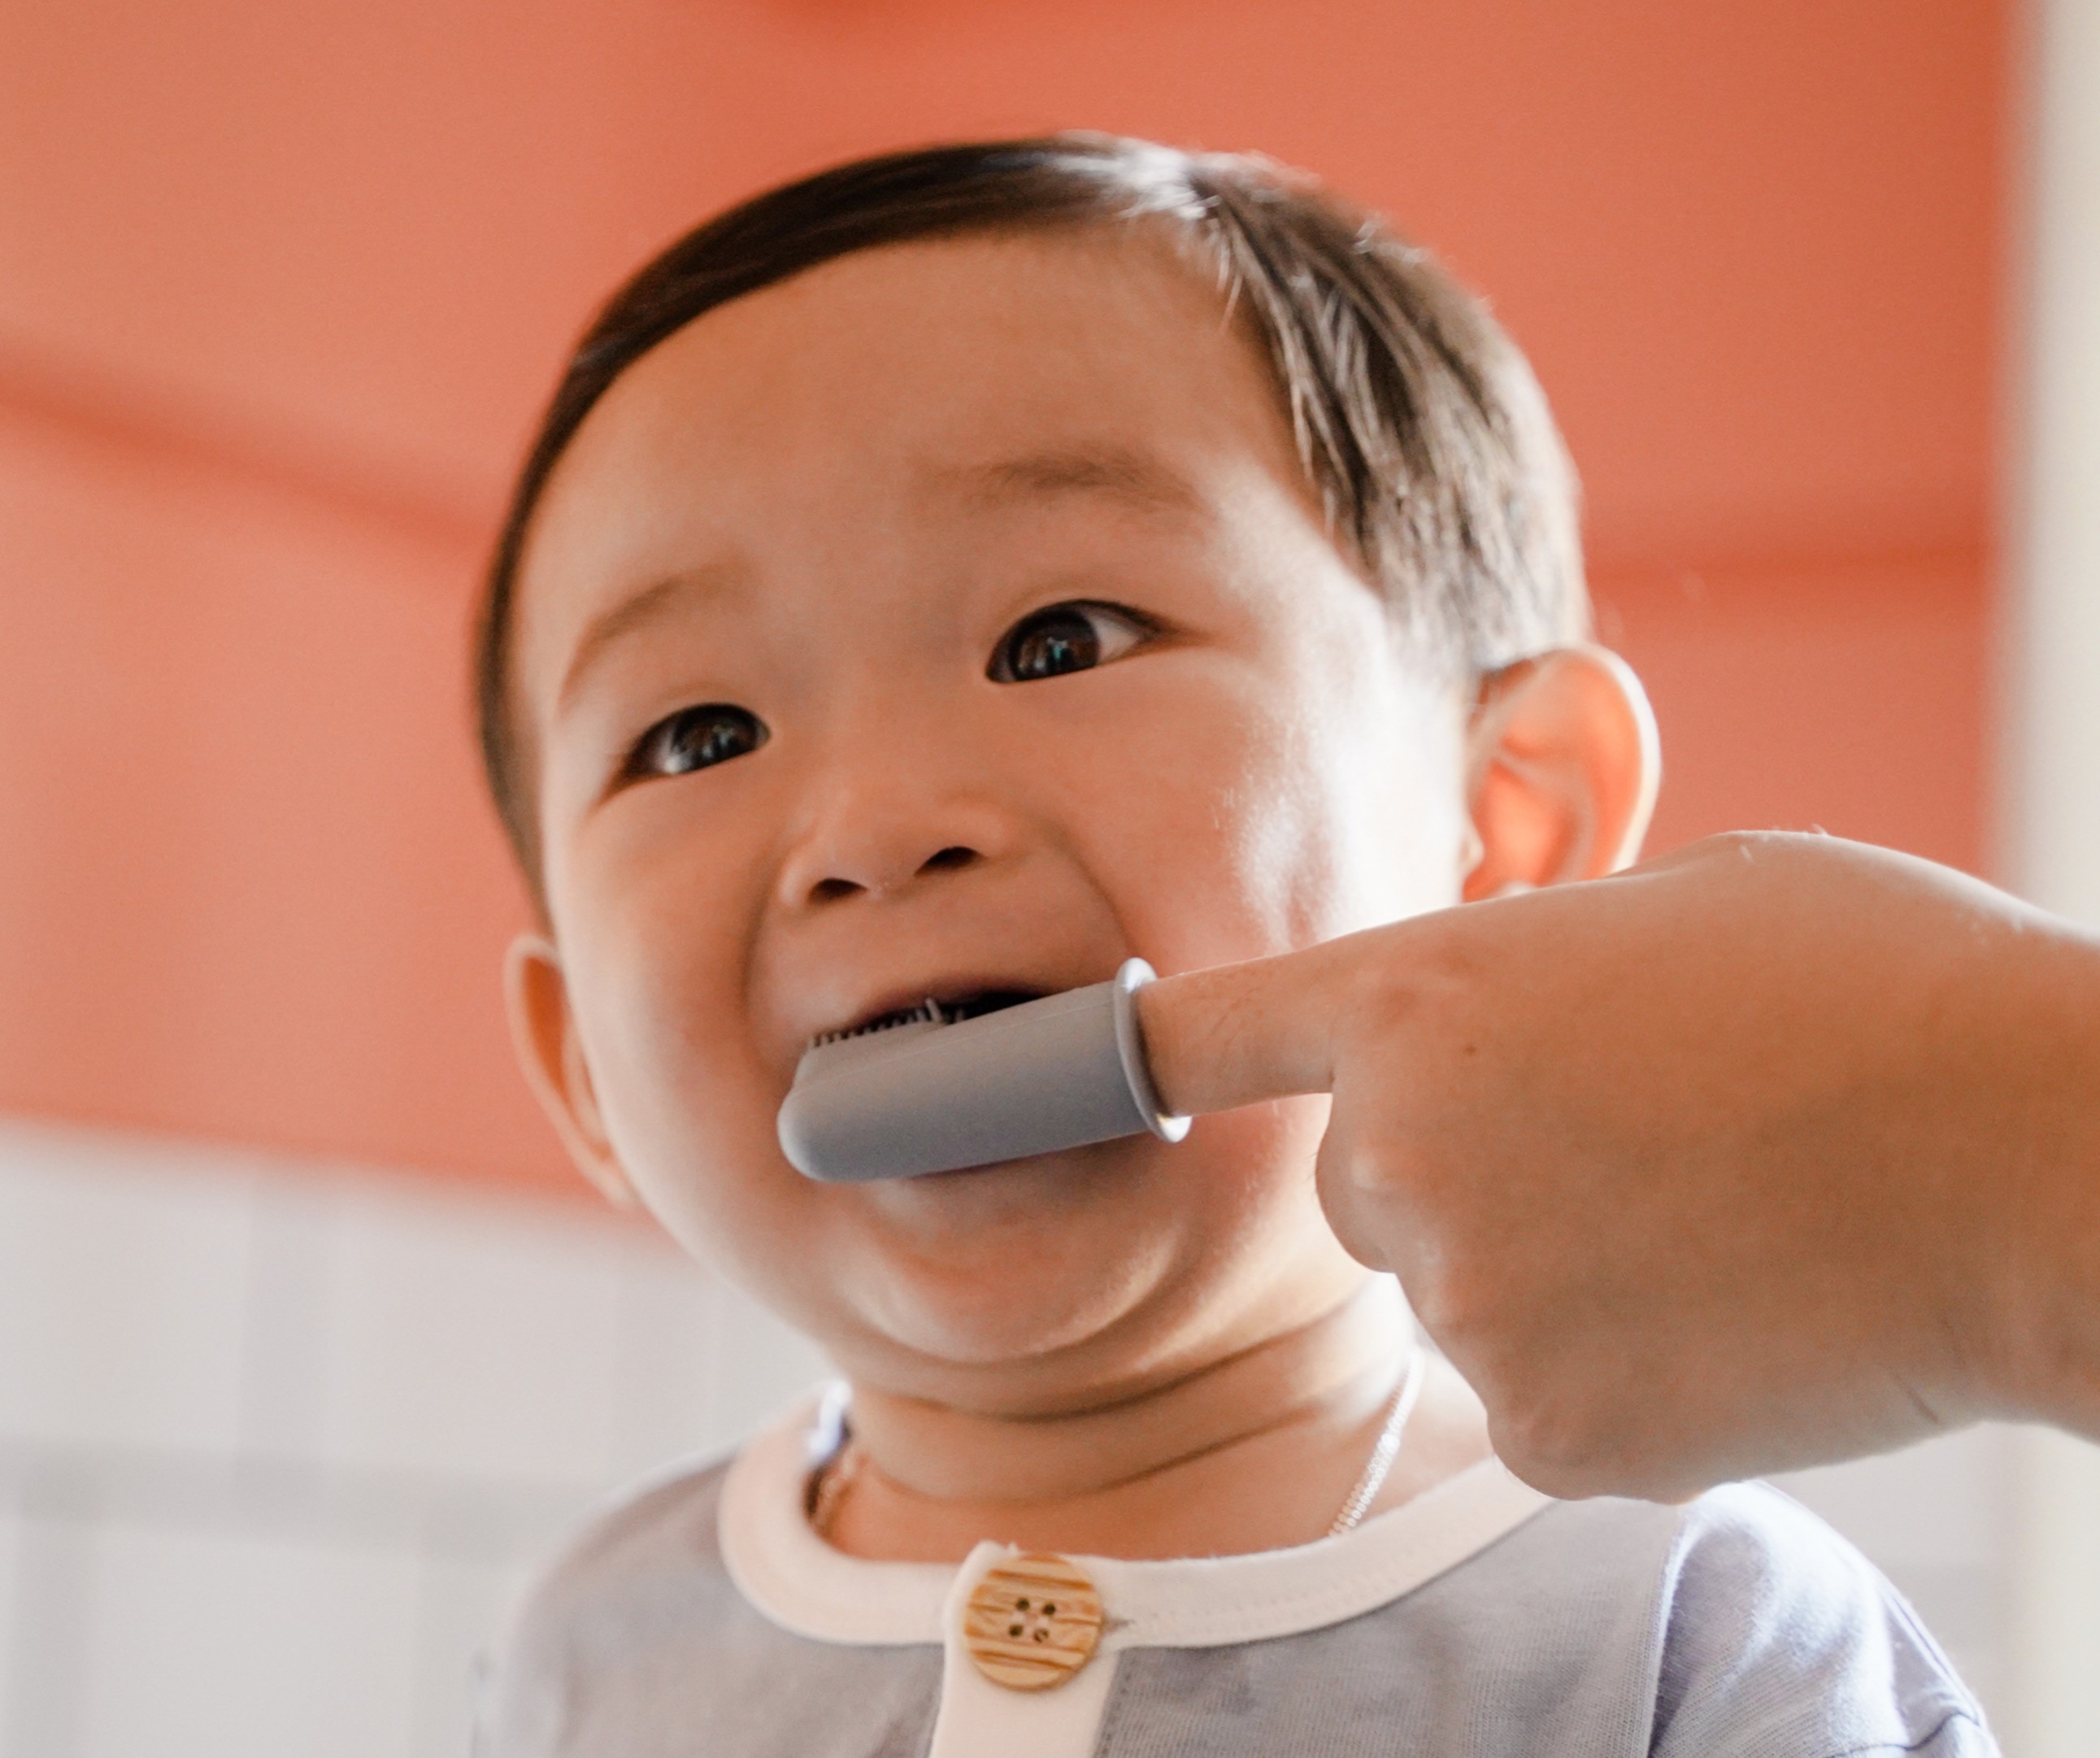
(1416, 417)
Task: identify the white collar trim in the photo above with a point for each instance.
(802, 1584)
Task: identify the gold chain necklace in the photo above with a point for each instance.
(1385, 1448)
(834, 1476)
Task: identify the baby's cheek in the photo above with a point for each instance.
(696, 1137)
(672, 1066)
(1268, 863)
(1364, 827)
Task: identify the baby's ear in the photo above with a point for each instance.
(543, 1030)
(1562, 764)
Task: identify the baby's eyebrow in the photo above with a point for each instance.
(629, 616)
(1134, 477)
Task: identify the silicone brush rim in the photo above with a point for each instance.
(1133, 975)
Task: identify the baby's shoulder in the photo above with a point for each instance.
(639, 1577)
(1773, 1634)
(663, 1526)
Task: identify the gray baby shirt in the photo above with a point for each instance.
(703, 1616)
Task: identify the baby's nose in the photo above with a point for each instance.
(862, 844)
(870, 872)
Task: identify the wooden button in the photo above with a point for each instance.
(1032, 1623)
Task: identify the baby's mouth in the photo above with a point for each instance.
(932, 1009)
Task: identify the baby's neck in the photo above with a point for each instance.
(1255, 1451)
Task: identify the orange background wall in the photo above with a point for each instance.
(280, 287)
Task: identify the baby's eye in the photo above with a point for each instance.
(696, 738)
(1063, 637)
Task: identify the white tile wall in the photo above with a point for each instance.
(47, 1686)
(204, 1644)
(755, 1356)
(667, 1398)
(701, 1363)
(10, 1527)
(469, 1341)
(285, 1348)
(276, 1444)
(123, 1296)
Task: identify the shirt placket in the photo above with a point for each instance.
(1024, 1673)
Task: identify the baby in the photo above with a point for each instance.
(950, 577)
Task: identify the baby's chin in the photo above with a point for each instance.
(1028, 1331)
(1055, 1273)
(1015, 1263)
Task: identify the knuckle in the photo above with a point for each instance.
(1573, 1447)
(1547, 1443)
(1390, 996)
(1456, 1294)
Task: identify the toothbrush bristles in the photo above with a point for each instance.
(929, 1012)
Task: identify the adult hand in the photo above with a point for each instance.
(1778, 1149)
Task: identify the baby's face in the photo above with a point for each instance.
(956, 621)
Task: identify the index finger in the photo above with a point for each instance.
(1239, 1034)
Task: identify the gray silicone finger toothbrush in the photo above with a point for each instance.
(929, 1094)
